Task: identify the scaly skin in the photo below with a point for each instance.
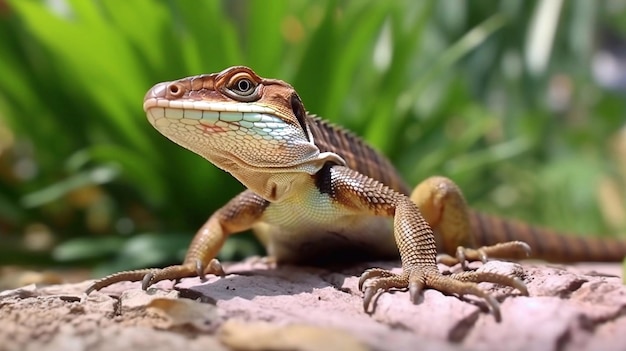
(315, 192)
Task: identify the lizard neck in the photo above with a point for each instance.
(272, 186)
(276, 183)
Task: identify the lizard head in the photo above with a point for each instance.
(241, 122)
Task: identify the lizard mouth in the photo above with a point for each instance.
(200, 107)
(215, 117)
(208, 122)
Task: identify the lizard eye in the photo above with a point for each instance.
(243, 87)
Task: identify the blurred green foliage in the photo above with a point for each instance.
(497, 95)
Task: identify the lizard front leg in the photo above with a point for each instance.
(414, 238)
(237, 215)
(444, 208)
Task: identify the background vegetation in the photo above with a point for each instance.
(501, 96)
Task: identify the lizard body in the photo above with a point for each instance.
(316, 191)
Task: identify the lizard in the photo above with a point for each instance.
(317, 191)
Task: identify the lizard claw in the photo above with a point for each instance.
(415, 291)
(368, 294)
(214, 267)
(147, 281)
(494, 306)
(200, 270)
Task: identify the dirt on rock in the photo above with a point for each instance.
(255, 307)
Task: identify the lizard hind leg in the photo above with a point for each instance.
(443, 206)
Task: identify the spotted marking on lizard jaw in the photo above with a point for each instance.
(211, 128)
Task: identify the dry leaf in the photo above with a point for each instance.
(181, 312)
(260, 336)
(15, 277)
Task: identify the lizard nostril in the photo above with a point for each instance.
(175, 90)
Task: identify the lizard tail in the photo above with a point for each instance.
(547, 244)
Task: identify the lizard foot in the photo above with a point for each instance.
(417, 278)
(152, 276)
(509, 249)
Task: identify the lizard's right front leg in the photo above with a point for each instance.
(239, 214)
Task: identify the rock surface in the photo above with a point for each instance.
(581, 307)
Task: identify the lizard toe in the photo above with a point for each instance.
(149, 277)
(506, 250)
(447, 259)
(175, 272)
(373, 273)
(126, 276)
(462, 284)
(380, 279)
(491, 277)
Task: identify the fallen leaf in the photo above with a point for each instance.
(180, 312)
(261, 336)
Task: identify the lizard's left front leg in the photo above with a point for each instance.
(237, 215)
(415, 240)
